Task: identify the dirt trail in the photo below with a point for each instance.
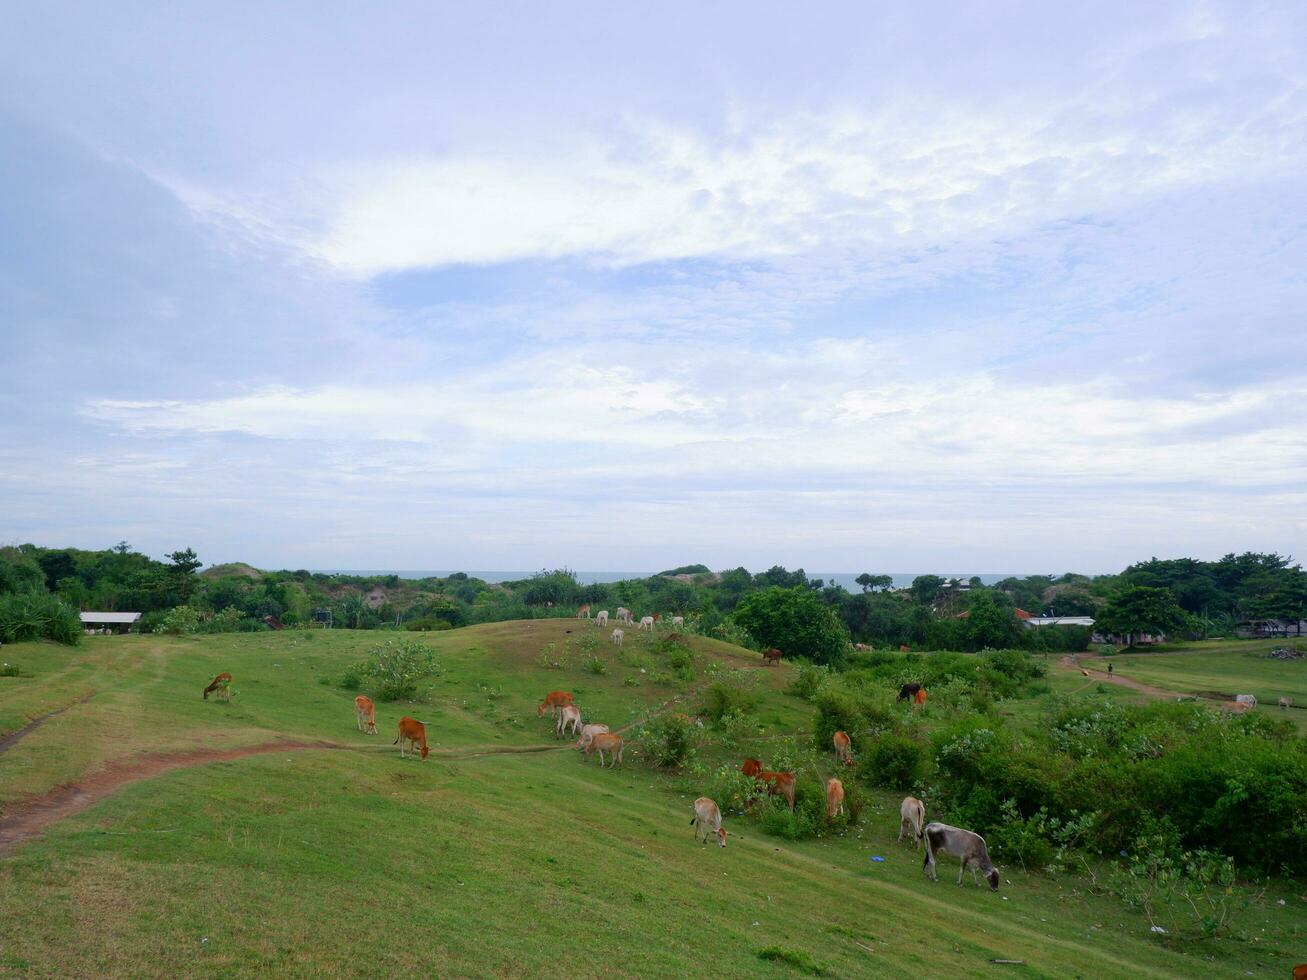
(13, 738)
(1072, 661)
(20, 822)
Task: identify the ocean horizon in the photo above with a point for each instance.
(846, 579)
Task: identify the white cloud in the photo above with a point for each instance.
(903, 177)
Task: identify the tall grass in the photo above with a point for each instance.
(38, 616)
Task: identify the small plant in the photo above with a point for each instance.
(179, 621)
(9, 670)
(392, 670)
(808, 680)
(796, 958)
(672, 740)
(594, 665)
(721, 699)
(550, 659)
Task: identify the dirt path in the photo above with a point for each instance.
(20, 822)
(1072, 661)
(13, 738)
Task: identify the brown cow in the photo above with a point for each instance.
(751, 767)
(365, 714)
(834, 798)
(779, 784)
(221, 684)
(414, 732)
(601, 743)
(919, 699)
(552, 702)
(771, 656)
(844, 748)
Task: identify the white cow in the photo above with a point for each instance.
(964, 844)
(1285, 702)
(601, 617)
(619, 636)
(708, 817)
(647, 623)
(1246, 699)
(568, 717)
(912, 816)
(678, 620)
(588, 732)
(624, 615)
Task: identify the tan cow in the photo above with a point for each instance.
(708, 817)
(834, 798)
(414, 733)
(588, 732)
(912, 816)
(843, 748)
(569, 716)
(365, 714)
(605, 742)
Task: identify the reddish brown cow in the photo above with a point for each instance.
(771, 656)
(552, 702)
(834, 798)
(844, 748)
(779, 784)
(221, 683)
(751, 767)
(413, 732)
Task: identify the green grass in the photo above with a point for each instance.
(479, 861)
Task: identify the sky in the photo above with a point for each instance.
(866, 287)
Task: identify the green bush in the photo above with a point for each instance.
(38, 616)
(594, 665)
(893, 760)
(671, 740)
(805, 821)
(795, 958)
(180, 621)
(392, 670)
(721, 700)
(808, 679)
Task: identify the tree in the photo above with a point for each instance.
(926, 588)
(990, 624)
(184, 562)
(869, 582)
(1140, 609)
(794, 620)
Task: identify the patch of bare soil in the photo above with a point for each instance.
(13, 738)
(20, 822)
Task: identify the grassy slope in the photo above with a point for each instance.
(354, 862)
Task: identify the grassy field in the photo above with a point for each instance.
(489, 858)
(1213, 668)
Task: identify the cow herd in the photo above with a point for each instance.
(939, 838)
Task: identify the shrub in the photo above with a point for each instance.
(722, 700)
(9, 670)
(893, 760)
(180, 621)
(681, 660)
(808, 680)
(550, 659)
(671, 741)
(796, 958)
(38, 616)
(805, 821)
(393, 669)
(733, 790)
(594, 665)
(231, 620)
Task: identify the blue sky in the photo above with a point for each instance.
(994, 287)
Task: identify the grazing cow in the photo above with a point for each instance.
(365, 713)
(1248, 699)
(619, 636)
(903, 648)
(752, 768)
(605, 742)
(1235, 707)
(1300, 972)
(919, 699)
(552, 702)
(647, 623)
(413, 732)
(221, 685)
(779, 784)
(912, 816)
(1285, 702)
(834, 798)
(1084, 672)
(569, 715)
(861, 647)
(588, 732)
(678, 620)
(843, 748)
(908, 691)
(771, 656)
(601, 617)
(970, 847)
(708, 817)
(583, 612)
(624, 615)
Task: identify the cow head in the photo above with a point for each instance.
(992, 877)
(721, 836)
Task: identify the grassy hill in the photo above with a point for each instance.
(502, 853)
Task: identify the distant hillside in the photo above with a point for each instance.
(232, 568)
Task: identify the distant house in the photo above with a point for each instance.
(1129, 639)
(109, 622)
(1271, 628)
(1036, 621)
